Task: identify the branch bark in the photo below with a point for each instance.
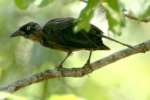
(76, 72)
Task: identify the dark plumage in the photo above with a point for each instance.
(59, 34)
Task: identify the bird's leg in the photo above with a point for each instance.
(88, 60)
(61, 63)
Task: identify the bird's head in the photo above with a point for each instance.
(30, 30)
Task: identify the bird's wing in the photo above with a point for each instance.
(81, 39)
(58, 24)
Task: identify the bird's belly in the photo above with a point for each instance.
(54, 45)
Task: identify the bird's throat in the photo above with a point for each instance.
(37, 37)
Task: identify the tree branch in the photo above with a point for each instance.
(76, 72)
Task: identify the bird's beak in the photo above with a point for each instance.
(17, 33)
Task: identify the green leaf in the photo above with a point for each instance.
(114, 16)
(45, 3)
(86, 15)
(23, 4)
(114, 4)
(146, 13)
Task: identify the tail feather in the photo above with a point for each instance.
(105, 47)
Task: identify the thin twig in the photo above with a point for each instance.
(137, 19)
(76, 72)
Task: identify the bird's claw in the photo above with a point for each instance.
(88, 65)
(60, 66)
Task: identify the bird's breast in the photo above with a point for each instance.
(54, 45)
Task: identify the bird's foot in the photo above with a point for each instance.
(88, 65)
(60, 66)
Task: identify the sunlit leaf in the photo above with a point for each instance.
(64, 97)
(45, 3)
(114, 16)
(5, 95)
(86, 15)
(23, 4)
(114, 4)
(146, 13)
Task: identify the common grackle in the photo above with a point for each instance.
(59, 34)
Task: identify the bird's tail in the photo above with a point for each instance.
(104, 47)
(124, 44)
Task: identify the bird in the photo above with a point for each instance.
(59, 34)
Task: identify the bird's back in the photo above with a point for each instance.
(59, 34)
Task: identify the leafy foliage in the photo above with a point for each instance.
(45, 3)
(114, 16)
(113, 12)
(20, 58)
(24, 4)
(146, 13)
(86, 15)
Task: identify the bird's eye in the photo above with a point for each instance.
(28, 28)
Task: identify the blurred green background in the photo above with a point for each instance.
(127, 79)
